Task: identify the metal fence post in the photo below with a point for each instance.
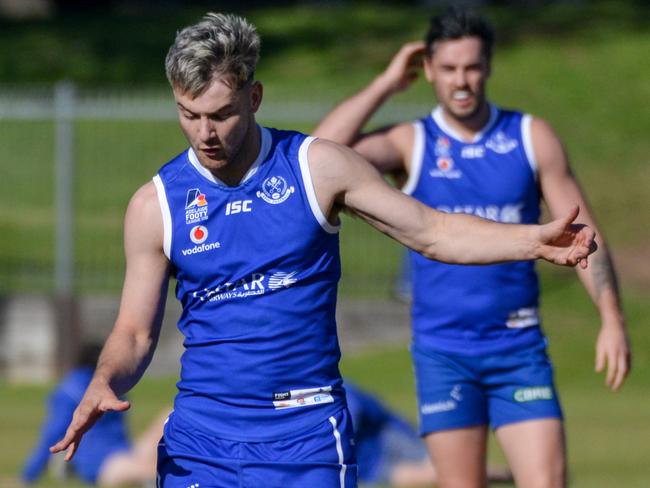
(64, 295)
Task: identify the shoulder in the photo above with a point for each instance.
(332, 158)
(549, 151)
(402, 135)
(144, 218)
(543, 135)
(144, 201)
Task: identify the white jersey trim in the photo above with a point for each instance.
(526, 135)
(309, 188)
(166, 215)
(265, 146)
(416, 158)
(439, 119)
(339, 451)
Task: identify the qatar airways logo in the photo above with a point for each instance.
(507, 214)
(255, 284)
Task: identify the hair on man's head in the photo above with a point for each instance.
(457, 23)
(219, 45)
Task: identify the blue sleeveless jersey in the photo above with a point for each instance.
(257, 268)
(475, 309)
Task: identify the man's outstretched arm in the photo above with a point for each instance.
(342, 178)
(129, 347)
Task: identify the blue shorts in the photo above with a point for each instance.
(457, 391)
(320, 457)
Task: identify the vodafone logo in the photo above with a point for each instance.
(199, 234)
(444, 164)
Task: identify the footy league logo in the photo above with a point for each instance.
(442, 146)
(275, 190)
(196, 206)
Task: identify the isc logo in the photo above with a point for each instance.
(473, 152)
(238, 206)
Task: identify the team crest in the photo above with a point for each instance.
(501, 144)
(275, 190)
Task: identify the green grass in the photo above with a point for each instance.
(607, 432)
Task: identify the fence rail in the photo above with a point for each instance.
(74, 156)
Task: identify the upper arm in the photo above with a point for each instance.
(147, 267)
(342, 178)
(388, 149)
(558, 184)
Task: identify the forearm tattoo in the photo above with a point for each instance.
(602, 271)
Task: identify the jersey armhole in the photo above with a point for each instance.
(309, 188)
(166, 215)
(526, 136)
(416, 158)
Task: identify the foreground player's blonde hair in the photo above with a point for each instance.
(220, 44)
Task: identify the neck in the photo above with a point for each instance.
(468, 127)
(233, 173)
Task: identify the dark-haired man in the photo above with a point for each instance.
(478, 350)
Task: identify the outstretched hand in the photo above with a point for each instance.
(98, 399)
(565, 243)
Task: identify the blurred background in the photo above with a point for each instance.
(86, 117)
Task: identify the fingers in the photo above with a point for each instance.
(611, 372)
(83, 419)
(114, 405)
(68, 442)
(622, 370)
(570, 216)
(600, 361)
(618, 367)
(412, 48)
(403, 68)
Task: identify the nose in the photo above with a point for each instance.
(206, 129)
(460, 78)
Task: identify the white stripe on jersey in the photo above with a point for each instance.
(309, 188)
(527, 137)
(416, 158)
(166, 215)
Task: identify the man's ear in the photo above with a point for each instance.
(427, 65)
(256, 95)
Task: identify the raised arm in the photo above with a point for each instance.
(342, 178)
(129, 347)
(561, 190)
(387, 148)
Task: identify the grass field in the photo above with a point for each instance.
(607, 432)
(582, 66)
